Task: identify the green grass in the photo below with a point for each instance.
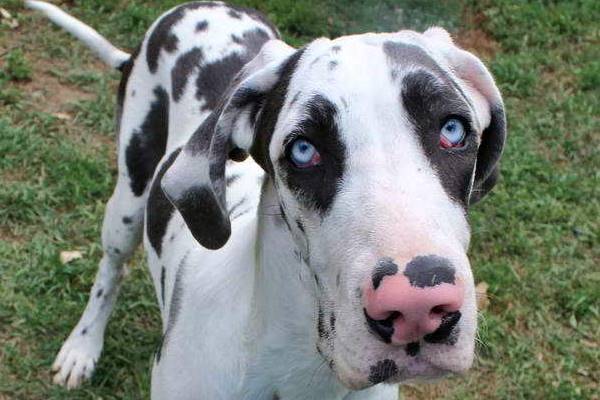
(535, 238)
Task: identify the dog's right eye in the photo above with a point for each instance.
(303, 154)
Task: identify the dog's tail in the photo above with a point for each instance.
(108, 53)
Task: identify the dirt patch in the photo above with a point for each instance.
(474, 38)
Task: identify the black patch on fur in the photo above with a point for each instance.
(382, 371)
(316, 187)
(147, 144)
(159, 209)
(204, 217)
(385, 266)
(162, 36)
(447, 333)
(159, 346)
(163, 274)
(412, 349)
(84, 332)
(429, 104)
(234, 14)
(321, 324)
(271, 106)
(214, 78)
(336, 48)
(231, 179)
(99, 293)
(428, 271)
(184, 67)
(127, 220)
(237, 205)
(332, 65)
(201, 26)
(176, 298)
(332, 321)
(488, 154)
(125, 69)
(384, 329)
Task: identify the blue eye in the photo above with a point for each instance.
(452, 134)
(303, 154)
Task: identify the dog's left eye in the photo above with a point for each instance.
(303, 154)
(452, 134)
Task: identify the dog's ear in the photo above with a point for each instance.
(489, 106)
(195, 182)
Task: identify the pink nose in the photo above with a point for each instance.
(404, 307)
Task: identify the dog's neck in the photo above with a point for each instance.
(284, 323)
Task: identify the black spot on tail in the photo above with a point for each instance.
(385, 266)
(428, 271)
(147, 144)
(159, 209)
(382, 371)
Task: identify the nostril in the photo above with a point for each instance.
(438, 310)
(384, 328)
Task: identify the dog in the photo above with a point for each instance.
(304, 211)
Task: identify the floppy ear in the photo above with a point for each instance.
(195, 182)
(488, 104)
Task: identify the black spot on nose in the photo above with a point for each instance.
(384, 328)
(382, 371)
(428, 271)
(447, 333)
(384, 267)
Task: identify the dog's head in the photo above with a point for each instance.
(376, 144)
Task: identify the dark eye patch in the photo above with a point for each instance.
(316, 187)
(429, 101)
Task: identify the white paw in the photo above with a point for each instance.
(76, 360)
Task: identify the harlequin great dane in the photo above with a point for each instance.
(331, 264)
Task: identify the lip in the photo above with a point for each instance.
(418, 369)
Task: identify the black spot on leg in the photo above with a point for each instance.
(428, 271)
(185, 65)
(412, 349)
(159, 209)
(385, 266)
(84, 332)
(99, 293)
(382, 371)
(127, 220)
(147, 144)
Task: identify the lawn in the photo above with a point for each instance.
(535, 238)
